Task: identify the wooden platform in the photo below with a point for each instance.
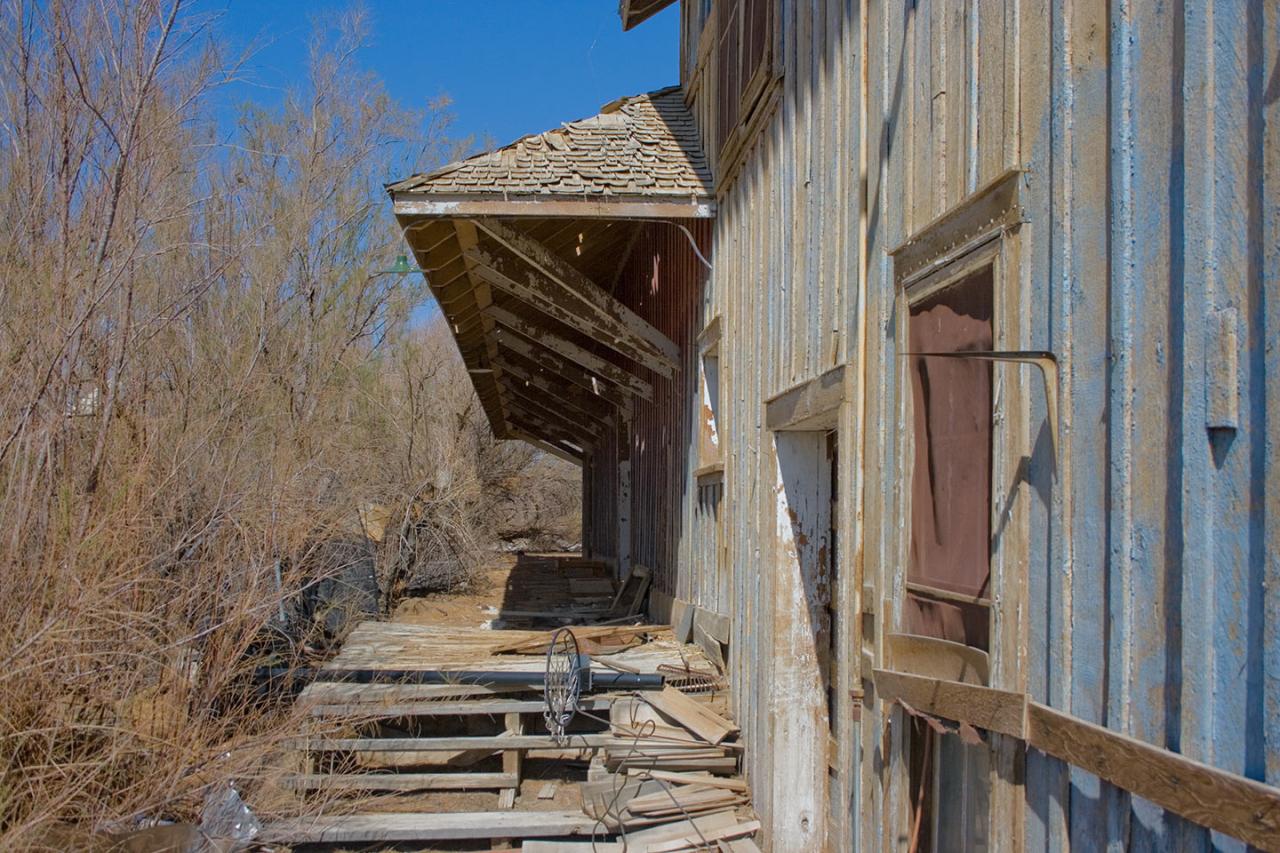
(382, 646)
(671, 755)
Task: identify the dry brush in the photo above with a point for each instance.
(204, 380)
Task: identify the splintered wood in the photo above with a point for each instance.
(662, 765)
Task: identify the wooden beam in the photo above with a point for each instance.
(439, 708)
(811, 405)
(984, 707)
(554, 405)
(527, 285)
(563, 392)
(534, 422)
(559, 270)
(418, 827)
(544, 363)
(559, 346)
(453, 744)
(530, 423)
(1206, 795)
(468, 239)
(547, 447)
(567, 425)
(408, 204)
(402, 781)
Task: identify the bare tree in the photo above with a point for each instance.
(203, 376)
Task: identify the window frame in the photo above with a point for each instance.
(1005, 611)
(753, 103)
(710, 439)
(984, 230)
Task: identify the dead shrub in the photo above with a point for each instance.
(204, 381)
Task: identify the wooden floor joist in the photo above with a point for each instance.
(392, 826)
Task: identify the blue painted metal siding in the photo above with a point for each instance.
(1149, 263)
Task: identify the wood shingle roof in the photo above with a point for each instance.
(637, 147)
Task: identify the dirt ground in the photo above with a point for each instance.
(472, 608)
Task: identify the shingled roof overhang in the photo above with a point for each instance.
(522, 247)
(635, 12)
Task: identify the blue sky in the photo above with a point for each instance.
(512, 67)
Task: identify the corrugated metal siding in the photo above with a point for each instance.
(1144, 131)
(783, 284)
(1148, 132)
(1148, 135)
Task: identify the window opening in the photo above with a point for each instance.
(950, 789)
(710, 450)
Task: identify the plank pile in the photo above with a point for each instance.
(672, 759)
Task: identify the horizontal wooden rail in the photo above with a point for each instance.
(1201, 793)
(981, 707)
(1206, 795)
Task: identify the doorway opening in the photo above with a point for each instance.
(806, 621)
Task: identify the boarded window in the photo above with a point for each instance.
(742, 53)
(949, 573)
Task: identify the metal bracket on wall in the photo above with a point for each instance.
(1046, 361)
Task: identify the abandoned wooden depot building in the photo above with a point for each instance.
(1023, 598)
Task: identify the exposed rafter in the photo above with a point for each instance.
(565, 349)
(533, 422)
(562, 391)
(558, 450)
(468, 238)
(561, 271)
(516, 396)
(534, 359)
(627, 335)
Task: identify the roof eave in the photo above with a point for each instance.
(636, 12)
(655, 206)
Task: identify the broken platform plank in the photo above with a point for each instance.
(397, 826)
(693, 715)
(691, 779)
(442, 744)
(641, 838)
(694, 841)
